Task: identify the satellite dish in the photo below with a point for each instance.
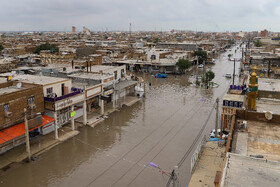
(268, 115)
(19, 85)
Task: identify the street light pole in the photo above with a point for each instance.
(27, 135)
(217, 117)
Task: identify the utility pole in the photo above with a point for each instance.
(233, 72)
(196, 71)
(27, 135)
(176, 177)
(217, 117)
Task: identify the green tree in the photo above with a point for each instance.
(183, 64)
(208, 77)
(47, 46)
(229, 56)
(202, 55)
(258, 43)
(1, 47)
(156, 40)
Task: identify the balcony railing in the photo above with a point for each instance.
(76, 91)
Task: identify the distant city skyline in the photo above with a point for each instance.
(145, 15)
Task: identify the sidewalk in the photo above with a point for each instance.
(93, 118)
(38, 145)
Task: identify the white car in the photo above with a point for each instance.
(228, 75)
(200, 66)
(212, 134)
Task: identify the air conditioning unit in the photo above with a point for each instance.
(8, 114)
(32, 106)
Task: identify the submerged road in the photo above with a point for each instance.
(159, 129)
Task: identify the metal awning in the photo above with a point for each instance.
(124, 84)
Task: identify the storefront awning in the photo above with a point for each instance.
(124, 84)
(18, 130)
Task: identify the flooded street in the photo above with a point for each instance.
(161, 128)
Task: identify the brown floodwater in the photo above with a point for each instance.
(161, 128)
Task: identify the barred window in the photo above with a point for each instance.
(31, 100)
(6, 107)
(49, 91)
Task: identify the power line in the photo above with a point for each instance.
(135, 145)
(149, 152)
(166, 144)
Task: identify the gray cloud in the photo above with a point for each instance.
(206, 15)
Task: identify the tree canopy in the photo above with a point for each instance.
(156, 40)
(1, 47)
(183, 64)
(46, 46)
(202, 55)
(210, 75)
(258, 43)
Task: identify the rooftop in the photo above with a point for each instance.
(210, 161)
(265, 104)
(34, 79)
(247, 171)
(260, 138)
(267, 84)
(10, 89)
(93, 76)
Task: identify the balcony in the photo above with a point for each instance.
(57, 103)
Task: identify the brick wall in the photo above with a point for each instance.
(18, 101)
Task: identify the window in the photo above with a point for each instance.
(6, 108)
(49, 91)
(153, 57)
(31, 100)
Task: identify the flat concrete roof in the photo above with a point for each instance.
(246, 171)
(267, 84)
(35, 79)
(210, 161)
(260, 138)
(265, 104)
(10, 89)
(93, 76)
(98, 68)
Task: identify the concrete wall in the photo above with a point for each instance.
(57, 87)
(256, 116)
(18, 101)
(268, 94)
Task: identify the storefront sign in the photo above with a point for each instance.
(91, 92)
(73, 114)
(68, 102)
(108, 92)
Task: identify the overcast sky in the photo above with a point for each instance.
(101, 15)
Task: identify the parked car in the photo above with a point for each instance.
(228, 75)
(212, 133)
(200, 66)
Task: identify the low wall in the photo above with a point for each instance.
(256, 116)
(268, 94)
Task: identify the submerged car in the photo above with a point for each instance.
(200, 66)
(228, 75)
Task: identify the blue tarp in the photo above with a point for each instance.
(215, 140)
